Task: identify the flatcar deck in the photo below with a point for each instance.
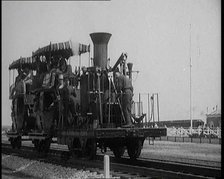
(113, 132)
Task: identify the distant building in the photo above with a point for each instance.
(213, 120)
(181, 123)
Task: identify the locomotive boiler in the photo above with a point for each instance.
(80, 109)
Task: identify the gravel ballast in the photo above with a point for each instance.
(19, 167)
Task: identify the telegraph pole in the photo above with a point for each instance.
(190, 80)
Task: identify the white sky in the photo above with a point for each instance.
(154, 33)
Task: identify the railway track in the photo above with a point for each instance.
(204, 163)
(123, 168)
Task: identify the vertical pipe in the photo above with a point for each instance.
(109, 98)
(100, 101)
(139, 98)
(190, 79)
(153, 109)
(158, 106)
(88, 87)
(89, 56)
(148, 109)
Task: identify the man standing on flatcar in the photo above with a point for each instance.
(123, 84)
(64, 99)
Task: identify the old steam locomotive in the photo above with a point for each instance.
(80, 109)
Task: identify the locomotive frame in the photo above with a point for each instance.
(98, 117)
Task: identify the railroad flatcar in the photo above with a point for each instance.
(81, 108)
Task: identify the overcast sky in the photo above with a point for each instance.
(154, 33)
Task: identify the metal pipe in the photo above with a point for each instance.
(100, 101)
(158, 106)
(148, 109)
(109, 94)
(152, 100)
(89, 59)
(139, 98)
(190, 80)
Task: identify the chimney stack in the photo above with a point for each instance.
(100, 41)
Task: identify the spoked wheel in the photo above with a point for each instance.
(134, 148)
(91, 149)
(118, 151)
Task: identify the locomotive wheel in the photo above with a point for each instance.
(45, 145)
(73, 145)
(134, 148)
(65, 156)
(42, 146)
(70, 148)
(118, 151)
(13, 144)
(36, 144)
(91, 149)
(16, 142)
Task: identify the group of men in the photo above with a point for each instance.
(124, 91)
(58, 74)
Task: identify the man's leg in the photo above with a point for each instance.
(127, 107)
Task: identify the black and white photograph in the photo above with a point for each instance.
(116, 89)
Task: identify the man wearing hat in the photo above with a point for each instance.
(123, 84)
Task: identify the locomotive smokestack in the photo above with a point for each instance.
(100, 41)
